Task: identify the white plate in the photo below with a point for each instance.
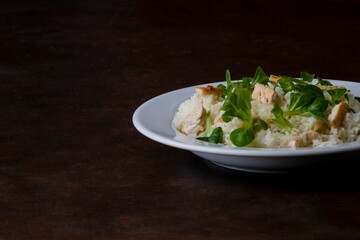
(154, 120)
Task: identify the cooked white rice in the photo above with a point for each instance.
(302, 134)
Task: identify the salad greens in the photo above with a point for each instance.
(305, 99)
(238, 104)
(337, 95)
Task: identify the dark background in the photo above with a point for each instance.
(72, 166)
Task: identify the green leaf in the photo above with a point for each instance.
(205, 139)
(337, 95)
(244, 103)
(280, 120)
(229, 83)
(242, 136)
(260, 77)
(223, 87)
(286, 84)
(298, 101)
(313, 90)
(229, 102)
(346, 98)
(307, 77)
(210, 134)
(227, 116)
(247, 80)
(238, 104)
(216, 136)
(307, 101)
(322, 82)
(208, 128)
(291, 84)
(259, 124)
(318, 107)
(229, 107)
(208, 125)
(228, 77)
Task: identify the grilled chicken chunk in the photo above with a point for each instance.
(274, 78)
(263, 94)
(208, 90)
(338, 114)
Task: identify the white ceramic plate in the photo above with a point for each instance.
(154, 120)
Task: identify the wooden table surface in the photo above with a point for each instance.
(72, 165)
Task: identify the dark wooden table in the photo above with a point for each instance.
(72, 165)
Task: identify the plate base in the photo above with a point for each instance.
(251, 170)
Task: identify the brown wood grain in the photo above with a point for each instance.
(72, 165)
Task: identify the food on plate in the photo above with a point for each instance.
(273, 111)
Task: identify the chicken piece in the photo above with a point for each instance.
(263, 94)
(338, 114)
(274, 78)
(209, 90)
(209, 95)
(321, 126)
(194, 122)
(318, 126)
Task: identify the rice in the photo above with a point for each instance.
(306, 131)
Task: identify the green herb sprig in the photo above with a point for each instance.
(238, 104)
